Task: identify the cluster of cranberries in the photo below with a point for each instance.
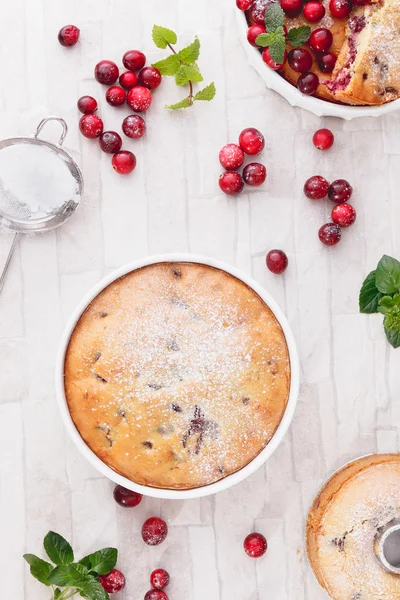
(231, 157)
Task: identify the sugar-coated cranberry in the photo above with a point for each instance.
(159, 579)
(343, 215)
(321, 39)
(251, 141)
(113, 582)
(139, 98)
(134, 127)
(300, 60)
(154, 531)
(69, 35)
(255, 545)
(292, 7)
(124, 162)
(253, 32)
(128, 80)
(266, 56)
(316, 187)
(87, 105)
(244, 4)
(110, 142)
(231, 157)
(116, 96)
(323, 139)
(106, 72)
(308, 83)
(327, 62)
(277, 261)
(340, 9)
(91, 126)
(314, 11)
(330, 234)
(156, 595)
(150, 77)
(254, 174)
(231, 183)
(340, 191)
(125, 497)
(134, 60)
(258, 10)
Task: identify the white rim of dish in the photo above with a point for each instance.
(321, 108)
(228, 481)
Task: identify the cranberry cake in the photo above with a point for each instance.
(345, 520)
(177, 375)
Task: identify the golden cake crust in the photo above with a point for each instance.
(177, 375)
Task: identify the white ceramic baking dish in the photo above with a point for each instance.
(228, 481)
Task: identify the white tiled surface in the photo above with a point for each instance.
(349, 403)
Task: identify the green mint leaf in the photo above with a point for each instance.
(277, 49)
(388, 275)
(391, 325)
(91, 589)
(61, 576)
(187, 73)
(57, 593)
(369, 295)
(265, 39)
(58, 549)
(163, 36)
(185, 103)
(299, 35)
(191, 53)
(180, 77)
(168, 66)
(389, 304)
(40, 569)
(206, 93)
(274, 17)
(102, 561)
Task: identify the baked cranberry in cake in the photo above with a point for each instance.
(327, 62)
(292, 7)
(308, 83)
(340, 9)
(300, 60)
(314, 11)
(321, 40)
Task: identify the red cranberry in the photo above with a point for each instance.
(156, 595)
(253, 32)
(330, 234)
(231, 157)
(134, 60)
(340, 9)
(150, 77)
(343, 215)
(106, 72)
(116, 96)
(361, 2)
(292, 7)
(254, 174)
(270, 62)
(277, 261)
(255, 545)
(113, 582)
(125, 497)
(87, 105)
(323, 139)
(244, 4)
(321, 39)
(134, 126)
(308, 83)
(340, 191)
(154, 531)
(251, 141)
(159, 579)
(128, 80)
(258, 11)
(110, 142)
(316, 187)
(300, 60)
(124, 162)
(231, 183)
(314, 11)
(139, 98)
(327, 62)
(91, 126)
(68, 35)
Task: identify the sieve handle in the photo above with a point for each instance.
(8, 260)
(46, 120)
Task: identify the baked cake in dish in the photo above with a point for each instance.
(343, 524)
(177, 375)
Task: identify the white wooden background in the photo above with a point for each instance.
(349, 403)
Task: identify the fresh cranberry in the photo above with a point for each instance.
(255, 545)
(314, 11)
(134, 60)
(251, 141)
(154, 531)
(113, 582)
(134, 127)
(91, 126)
(330, 234)
(316, 187)
(308, 83)
(116, 96)
(139, 98)
(340, 191)
(110, 142)
(340, 9)
(277, 261)
(244, 4)
(128, 80)
(292, 7)
(87, 105)
(270, 62)
(159, 579)
(68, 35)
(156, 595)
(254, 174)
(300, 60)
(323, 139)
(231, 183)
(150, 77)
(106, 72)
(253, 32)
(321, 39)
(343, 215)
(124, 162)
(327, 62)
(231, 157)
(125, 497)
(258, 10)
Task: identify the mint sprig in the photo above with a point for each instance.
(275, 38)
(183, 66)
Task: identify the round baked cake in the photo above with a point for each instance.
(344, 522)
(177, 375)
